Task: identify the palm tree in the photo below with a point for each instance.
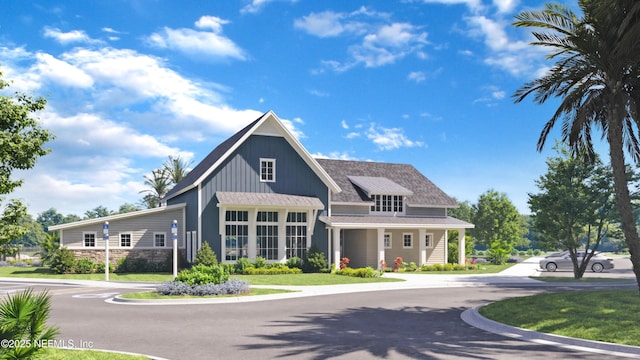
(23, 319)
(176, 168)
(596, 75)
(159, 185)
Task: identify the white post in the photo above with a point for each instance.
(380, 248)
(461, 247)
(174, 237)
(422, 235)
(105, 237)
(336, 248)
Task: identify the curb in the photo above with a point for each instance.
(472, 317)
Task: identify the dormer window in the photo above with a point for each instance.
(387, 203)
(268, 170)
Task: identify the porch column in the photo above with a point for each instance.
(282, 236)
(252, 235)
(380, 247)
(461, 247)
(336, 247)
(422, 234)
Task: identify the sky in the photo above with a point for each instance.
(129, 83)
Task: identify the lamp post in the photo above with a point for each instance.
(105, 237)
(174, 237)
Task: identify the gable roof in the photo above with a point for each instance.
(269, 124)
(424, 192)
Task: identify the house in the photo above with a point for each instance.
(261, 194)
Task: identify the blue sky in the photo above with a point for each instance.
(425, 82)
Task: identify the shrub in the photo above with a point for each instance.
(459, 267)
(447, 267)
(397, 264)
(242, 264)
(83, 266)
(271, 270)
(231, 287)
(62, 261)
(367, 272)
(314, 261)
(537, 252)
(4, 263)
(230, 268)
(437, 267)
(20, 264)
(99, 268)
(260, 262)
(294, 262)
(201, 274)
(24, 318)
(205, 256)
(344, 263)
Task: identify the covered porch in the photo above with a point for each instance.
(368, 240)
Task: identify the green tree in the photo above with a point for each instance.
(126, 208)
(596, 76)
(465, 212)
(34, 232)
(49, 217)
(498, 225)
(176, 168)
(22, 142)
(575, 206)
(97, 212)
(23, 318)
(49, 245)
(205, 256)
(159, 184)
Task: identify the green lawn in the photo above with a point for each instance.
(607, 315)
(308, 279)
(152, 295)
(46, 273)
(63, 354)
(583, 280)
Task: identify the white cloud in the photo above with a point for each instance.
(210, 44)
(353, 135)
(474, 5)
(378, 41)
(390, 138)
(417, 76)
(505, 6)
(337, 155)
(344, 124)
(61, 72)
(65, 38)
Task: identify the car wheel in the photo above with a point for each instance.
(551, 267)
(597, 267)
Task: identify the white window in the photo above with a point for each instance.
(387, 240)
(267, 235)
(125, 240)
(387, 204)
(428, 240)
(268, 170)
(296, 234)
(89, 239)
(407, 240)
(236, 234)
(159, 239)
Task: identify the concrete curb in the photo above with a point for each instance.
(473, 318)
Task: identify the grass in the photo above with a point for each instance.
(609, 315)
(484, 269)
(582, 280)
(152, 295)
(64, 354)
(46, 273)
(308, 279)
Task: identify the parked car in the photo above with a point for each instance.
(562, 261)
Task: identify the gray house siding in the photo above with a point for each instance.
(349, 210)
(240, 173)
(190, 198)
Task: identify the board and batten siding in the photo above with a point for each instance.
(425, 211)
(142, 229)
(240, 172)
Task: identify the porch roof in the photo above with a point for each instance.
(268, 200)
(397, 222)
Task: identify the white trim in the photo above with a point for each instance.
(431, 244)
(297, 146)
(95, 239)
(404, 246)
(154, 239)
(390, 240)
(273, 168)
(130, 240)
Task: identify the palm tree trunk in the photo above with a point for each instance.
(623, 199)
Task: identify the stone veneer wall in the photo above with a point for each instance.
(152, 255)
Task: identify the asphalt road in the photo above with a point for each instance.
(406, 324)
